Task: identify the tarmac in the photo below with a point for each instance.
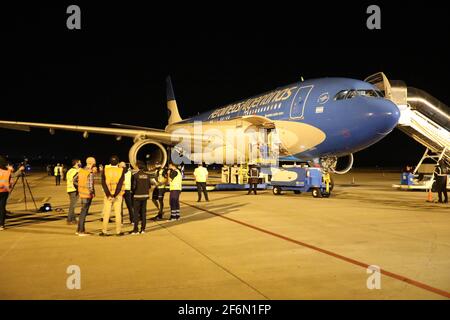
(236, 246)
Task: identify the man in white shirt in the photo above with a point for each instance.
(201, 175)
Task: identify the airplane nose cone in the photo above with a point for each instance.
(385, 115)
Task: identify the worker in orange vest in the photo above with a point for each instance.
(113, 179)
(84, 182)
(6, 176)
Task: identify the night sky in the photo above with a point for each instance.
(113, 69)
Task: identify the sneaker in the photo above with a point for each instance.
(134, 233)
(77, 233)
(2, 228)
(142, 231)
(83, 234)
(103, 234)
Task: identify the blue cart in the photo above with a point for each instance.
(299, 179)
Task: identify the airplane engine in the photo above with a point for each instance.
(330, 163)
(148, 151)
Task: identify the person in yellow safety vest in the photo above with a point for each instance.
(327, 181)
(176, 185)
(235, 173)
(6, 176)
(127, 197)
(159, 190)
(113, 178)
(72, 191)
(58, 173)
(201, 175)
(84, 182)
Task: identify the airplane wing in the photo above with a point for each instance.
(146, 133)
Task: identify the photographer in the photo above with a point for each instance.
(6, 176)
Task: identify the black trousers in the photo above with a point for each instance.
(128, 199)
(58, 180)
(140, 212)
(175, 203)
(201, 187)
(3, 200)
(158, 200)
(442, 190)
(252, 187)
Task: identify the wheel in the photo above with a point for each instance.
(276, 190)
(316, 193)
(297, 191)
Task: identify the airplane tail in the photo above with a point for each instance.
(172, 107)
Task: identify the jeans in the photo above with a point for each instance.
(85, 205)
(3, 200)
(128, 198)
(108, 205)
(73, 196)
(201, 186)
(140, 211)
(175, 203)
(58, 180)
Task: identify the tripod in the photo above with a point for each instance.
(24, 183)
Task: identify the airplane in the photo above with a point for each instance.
(318, 120)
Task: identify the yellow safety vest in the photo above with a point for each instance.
(128, 180)
(58, 171)
(83, 184)
(177, 182)
(70, 175)
(5, 180)
(112, 177)
(200, 174)
(161, 179)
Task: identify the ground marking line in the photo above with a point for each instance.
(330, 253)
(213, 261)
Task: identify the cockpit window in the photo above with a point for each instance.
(368, 93)
(341, 95)
(349, 94)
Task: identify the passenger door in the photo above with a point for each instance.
(299, 102)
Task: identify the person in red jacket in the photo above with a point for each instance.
(6, 176)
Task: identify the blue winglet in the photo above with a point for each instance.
(169, 89)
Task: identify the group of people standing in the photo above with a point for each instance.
(121, 185)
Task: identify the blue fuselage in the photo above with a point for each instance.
(351, 113)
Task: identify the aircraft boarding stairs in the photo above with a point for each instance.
(422, 117)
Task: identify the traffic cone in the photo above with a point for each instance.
(430, 196)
